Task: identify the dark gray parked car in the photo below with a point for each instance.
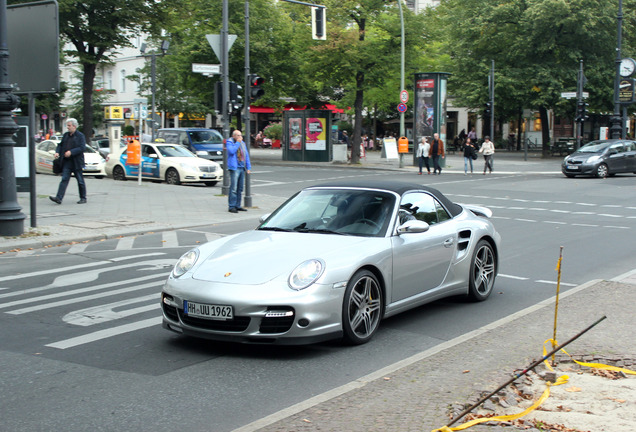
(601, 159)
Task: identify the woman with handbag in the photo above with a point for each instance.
(470, 154)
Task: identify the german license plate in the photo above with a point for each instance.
(572, 167)
(209, 311)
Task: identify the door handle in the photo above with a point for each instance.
(450, 242)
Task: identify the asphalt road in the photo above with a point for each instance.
(82, 348)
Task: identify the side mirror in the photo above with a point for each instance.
(263, 218)
(413, 227)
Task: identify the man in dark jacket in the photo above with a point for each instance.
(71, 150)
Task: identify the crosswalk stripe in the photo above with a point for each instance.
(125, 243)
(77, 248)
(170, 239)
(103, 334)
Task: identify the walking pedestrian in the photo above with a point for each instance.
(470, 153)
(71, 150)
(238, 163)
(488, 149)
(437, 151)
(423, 149)
(473, 135)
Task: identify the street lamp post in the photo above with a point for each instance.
(615, 129)
(402, 77)
(153, 75)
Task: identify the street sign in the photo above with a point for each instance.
(404, 96)
(206, 68)
(570, 95)
(215, 42)
(401, 107)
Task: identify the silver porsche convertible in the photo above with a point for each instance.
(332, 262)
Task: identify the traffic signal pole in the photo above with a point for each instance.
(225, 109)
(247, 129)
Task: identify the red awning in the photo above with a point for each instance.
(268, 110)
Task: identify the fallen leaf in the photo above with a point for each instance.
(467, 371)
(573, 389)
(307, 421)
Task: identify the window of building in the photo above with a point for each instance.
(122, 74)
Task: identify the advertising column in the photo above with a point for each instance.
(430, 108)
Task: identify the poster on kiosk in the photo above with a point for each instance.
(430, 108)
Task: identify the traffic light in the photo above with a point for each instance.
(318, 23)
(581, 111)
(255, 87)
(487, 109)
(235, 97)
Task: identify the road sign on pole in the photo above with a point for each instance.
(404, 96)
(402, 107)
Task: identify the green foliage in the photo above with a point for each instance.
(274, 131)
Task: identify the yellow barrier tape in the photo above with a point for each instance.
(562, 380)
(591, 365)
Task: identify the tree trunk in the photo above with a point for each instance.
(356, 139)
(545, 132)
(87, 98)
(357, 127)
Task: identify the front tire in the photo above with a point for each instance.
(118, 173)
(172, 177)
(602, 171)
(483, 269)
(362, 308)
(210, 183)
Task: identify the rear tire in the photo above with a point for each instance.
(483, 269)
(362, 308)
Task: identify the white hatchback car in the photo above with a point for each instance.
(170, 162)
(45, 153)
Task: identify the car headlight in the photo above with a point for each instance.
(305, 274)
(202, 153)
(593, 159)
(185, 263)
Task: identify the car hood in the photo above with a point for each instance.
(256, 257)
(189, 161)
(93, 158)
(582, 156)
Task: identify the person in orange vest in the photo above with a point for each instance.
(437, 150)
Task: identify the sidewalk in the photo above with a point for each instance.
(118, 208)
(417, 393)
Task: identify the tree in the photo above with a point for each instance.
(96, 28)
(536, 46)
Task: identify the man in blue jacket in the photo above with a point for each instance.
(71, 150)
(238, 163)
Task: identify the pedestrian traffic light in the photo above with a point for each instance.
(255, 87)
(488, 109)
(318, 23)
(581, 111)
(235, 96)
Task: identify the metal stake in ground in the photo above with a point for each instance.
(525, 371)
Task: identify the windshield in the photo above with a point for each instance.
(334, 211)
(205, 137)
(594, 147)
(174, 151)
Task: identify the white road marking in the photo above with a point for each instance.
(75, 267)
(85, 298)
(512, 277)
(104, 313)
(77, 248)
(170, 239)
(79, 291)
(104, 334)
(554, 283)
(89, 276)
(125, 243)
